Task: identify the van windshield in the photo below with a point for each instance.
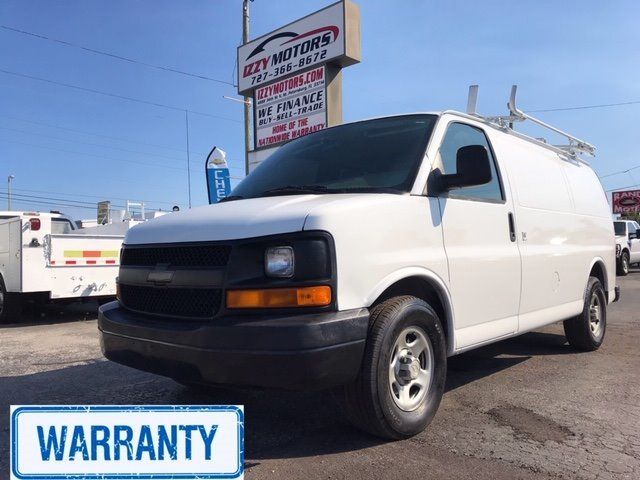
(620, 228)
(381, 155)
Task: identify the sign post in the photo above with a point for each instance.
(294, 75)
(218, 178)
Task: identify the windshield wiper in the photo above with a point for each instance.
(231, 198)
(295, 190)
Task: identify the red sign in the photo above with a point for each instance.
(626, 202)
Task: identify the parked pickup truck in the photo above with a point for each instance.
(627, 245)
(359, 257)
(44, 257)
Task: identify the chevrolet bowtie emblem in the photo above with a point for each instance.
(160, 276)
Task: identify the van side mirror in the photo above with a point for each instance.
(473, 167)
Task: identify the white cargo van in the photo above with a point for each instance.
(359, 257)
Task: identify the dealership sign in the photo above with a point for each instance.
(324, 36)
(627, 201)
(294, 75)
(290, 108)
(101, 442)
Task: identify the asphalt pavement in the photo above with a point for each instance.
(525, 408)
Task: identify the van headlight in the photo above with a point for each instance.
(279, 262)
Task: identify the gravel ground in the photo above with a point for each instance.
(525, 408)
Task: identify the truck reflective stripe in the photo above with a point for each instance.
(86, 262)
(91, 253)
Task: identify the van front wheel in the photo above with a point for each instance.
(402, 378)
(586, 330)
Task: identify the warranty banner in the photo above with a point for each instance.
(290, 108)
(102, 442)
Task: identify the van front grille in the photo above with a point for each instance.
(177, 256)
(196, 303)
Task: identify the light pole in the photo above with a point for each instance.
(247, 100)
(9, 178)
(186, 119)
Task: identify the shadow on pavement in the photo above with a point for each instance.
(278, 424)
(55, 313)
(485, 361)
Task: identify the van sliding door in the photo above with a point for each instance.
(557, 236)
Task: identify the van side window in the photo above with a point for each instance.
(460, 135)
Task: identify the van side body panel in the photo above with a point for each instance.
(563, 226)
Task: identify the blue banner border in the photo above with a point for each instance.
(127, 476)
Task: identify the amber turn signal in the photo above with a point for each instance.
(319, 296)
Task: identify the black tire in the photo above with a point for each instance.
(368, 402)
(583, 333)
(10, 305)
(622, 265)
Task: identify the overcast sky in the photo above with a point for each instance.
(66, 143)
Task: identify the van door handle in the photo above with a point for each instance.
(512, 228)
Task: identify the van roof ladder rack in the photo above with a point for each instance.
(572, 149)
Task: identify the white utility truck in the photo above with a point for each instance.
(627, 244)
(44, 257)
(359, 257)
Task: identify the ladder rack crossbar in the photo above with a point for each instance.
(573, 148)
(574, 143)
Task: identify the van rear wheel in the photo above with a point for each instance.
(402, 378)
(586, 331)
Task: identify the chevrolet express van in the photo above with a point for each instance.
(360, 257)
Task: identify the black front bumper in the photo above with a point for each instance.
(306, 351)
